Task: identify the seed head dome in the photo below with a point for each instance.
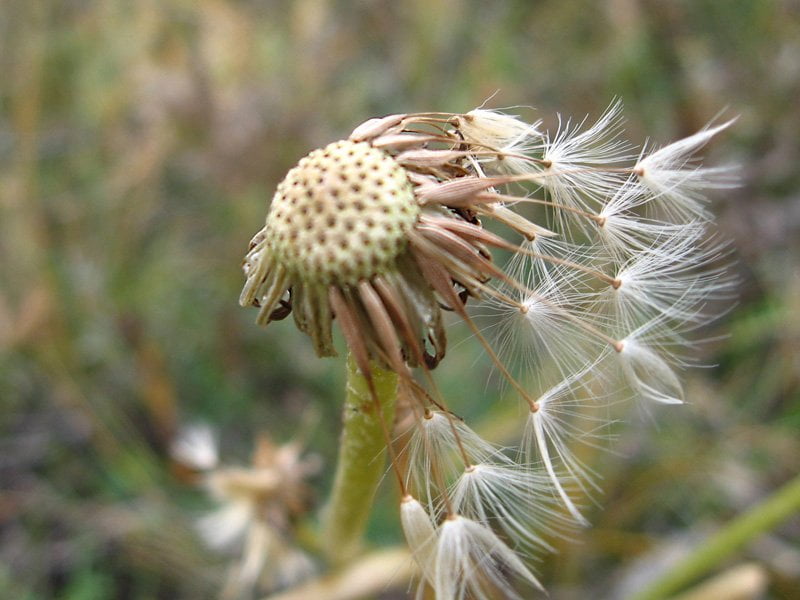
(341, 215)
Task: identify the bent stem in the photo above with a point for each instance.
(760, 519)
(362, 450)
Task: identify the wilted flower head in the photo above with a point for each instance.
(611, 266)
(257, 506)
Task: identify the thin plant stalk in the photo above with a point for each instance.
(361, 461)
(743, 529)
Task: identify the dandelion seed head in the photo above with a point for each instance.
(383, 232)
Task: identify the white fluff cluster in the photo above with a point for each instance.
(619, 266)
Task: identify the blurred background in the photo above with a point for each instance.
(139, 144)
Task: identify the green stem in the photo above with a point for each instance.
(759, 519)
(361, 465)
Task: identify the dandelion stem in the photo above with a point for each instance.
(371, 575)
(760, 519)
(361, 460)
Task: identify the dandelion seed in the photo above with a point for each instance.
(420, 535)
(544, 329)
(472, 562)
(495, 129)
(507, 140)
(577, 172)
(672, 283)
(648, 372)
(439, 446)
(624, 233)
(552, 429)
(515, 499)
(676, 182)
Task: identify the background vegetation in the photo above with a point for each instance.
(139, 144)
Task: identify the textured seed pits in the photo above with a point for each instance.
(342, 214)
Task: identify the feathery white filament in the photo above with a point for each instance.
(435, 452)
(498, 130)
(513, 498)
(623, 232)
(672, 282)
(577, 173)
(648, 373)
(472, 562)
(670, 174)
(552, 427)
(541, 436)
(512, 140)
(547, 332)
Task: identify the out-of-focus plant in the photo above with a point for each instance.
(257, 509)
